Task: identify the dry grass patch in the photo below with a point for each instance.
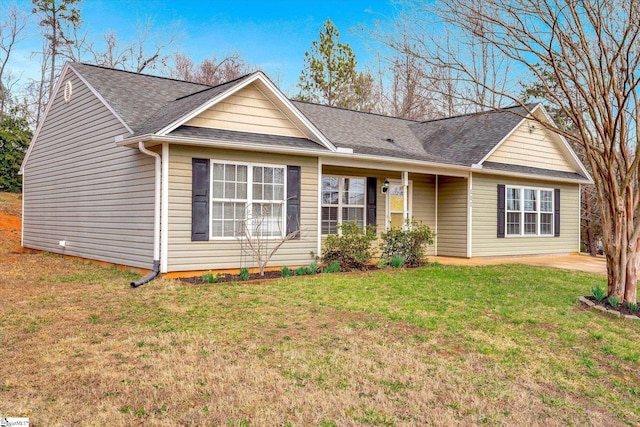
(502, 345)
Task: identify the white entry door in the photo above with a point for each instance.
(395, 215)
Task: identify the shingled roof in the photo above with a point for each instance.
(148, 104)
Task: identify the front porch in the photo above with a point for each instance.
(438, 200)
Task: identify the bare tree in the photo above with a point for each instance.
(147, 52)
(211, 71)
(12, 26)
(56, 18)
(261, 239)
(592, 49)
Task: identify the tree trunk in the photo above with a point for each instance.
(591, 238)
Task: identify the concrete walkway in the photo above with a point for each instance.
(570, 262)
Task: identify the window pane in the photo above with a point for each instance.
(546, 201)
(268, 175)
(353, 191)
(229, 190)
(257, 191)
(329, 191)
(513, 199)
(530, 223)
(546, 223)
(216, 210)
(329, 220)
(530, 200)
(278, 191)
(268, 192)
(257, 174)
(242, 173)
(241, 190)
(230, 173)
(278, 176)
(353, 215)
(218, 190)
(216, 228)
(218, 172)
(513, 223)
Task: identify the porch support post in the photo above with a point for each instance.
(405, 199)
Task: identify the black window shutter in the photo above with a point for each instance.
(200, 199)
(293, 200)
(556, 212)
(501, 209)
(372, 193)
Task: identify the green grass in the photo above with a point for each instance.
(440, 344)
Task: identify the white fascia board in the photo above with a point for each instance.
(310, 126)
(56, 88)
(258, 75)
(330, 158)
(565, 143)
(99, 96)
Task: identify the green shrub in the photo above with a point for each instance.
(244, 273)
(351, 248)
(598, 293)
(286, 272)
(396, 261)
(333, 267)
(313, 268)
(613, 301)
(633, 306)
(410, 242)
(300, 271)
(210, 277)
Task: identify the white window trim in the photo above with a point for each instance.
(340, 205)
(249, 200)
(521, 211)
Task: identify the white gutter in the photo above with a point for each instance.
(156, 213)
(403, 163)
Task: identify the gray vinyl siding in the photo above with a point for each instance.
(452, 216)
(186, 255)
(485, 240)
(80, 187)
(423, 195)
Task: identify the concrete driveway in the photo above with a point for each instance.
(570, 262)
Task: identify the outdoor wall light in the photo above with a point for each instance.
(385, 186)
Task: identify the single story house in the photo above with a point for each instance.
(141, 170)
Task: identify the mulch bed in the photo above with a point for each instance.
(270, 275)
(226, 278)
(622, 308)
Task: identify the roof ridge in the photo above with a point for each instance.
(495, 110)
(354, 111)
(237, 79)
(141, 74)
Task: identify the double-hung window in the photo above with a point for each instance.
(343, 200)
(247, 199)
(529, 212)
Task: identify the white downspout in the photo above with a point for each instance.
(156, 217)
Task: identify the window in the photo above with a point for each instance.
(247, 195)
(529, 212)
(342, 201)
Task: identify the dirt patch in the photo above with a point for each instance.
(10, 225)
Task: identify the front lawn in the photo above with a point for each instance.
(439, 345)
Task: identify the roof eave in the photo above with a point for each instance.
(132, 142)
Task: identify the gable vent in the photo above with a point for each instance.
(68, 91)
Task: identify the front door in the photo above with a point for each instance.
(396, 204)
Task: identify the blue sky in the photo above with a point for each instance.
(272, 35)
